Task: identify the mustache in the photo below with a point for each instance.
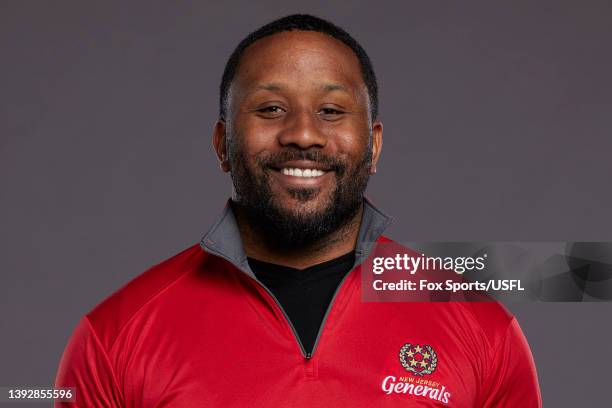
(289, 154)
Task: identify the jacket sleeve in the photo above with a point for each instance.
(512, 380)
(85, 366)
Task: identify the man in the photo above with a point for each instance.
(266, 310)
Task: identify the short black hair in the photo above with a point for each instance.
(300, 22)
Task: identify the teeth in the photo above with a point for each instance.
(302, 172)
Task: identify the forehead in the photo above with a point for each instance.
(299, 59)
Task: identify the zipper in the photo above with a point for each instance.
(331, 302)
(306, 355)
(295, 333)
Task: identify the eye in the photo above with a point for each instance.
(330, 113)
(270, 111)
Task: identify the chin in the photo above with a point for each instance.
(298, 206)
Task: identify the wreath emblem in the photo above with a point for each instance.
(417, 359)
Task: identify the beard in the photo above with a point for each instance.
(298, 227)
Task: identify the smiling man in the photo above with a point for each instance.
(299, 130)
(266, 310)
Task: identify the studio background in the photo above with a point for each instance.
(496, 127)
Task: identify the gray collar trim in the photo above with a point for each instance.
(223, 238)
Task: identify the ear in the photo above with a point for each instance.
(219, 141)
(377, 141)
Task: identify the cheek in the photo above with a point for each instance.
(354, 129)
(255, 137)
(353, 144)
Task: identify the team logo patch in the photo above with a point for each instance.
(417, 359)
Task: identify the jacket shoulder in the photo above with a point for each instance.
(113, 313)
(490, 315)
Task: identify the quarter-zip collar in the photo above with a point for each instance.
(223, 238)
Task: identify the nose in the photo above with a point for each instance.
(302, 131)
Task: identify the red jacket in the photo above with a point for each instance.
(198, 330)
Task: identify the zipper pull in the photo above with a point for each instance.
(308, 355)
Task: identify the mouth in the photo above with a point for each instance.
(302, 173)
(298, 172)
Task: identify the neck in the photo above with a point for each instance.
(336, 244)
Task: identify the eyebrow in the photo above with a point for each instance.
(334, 87)
(275, 87)
(268, 87)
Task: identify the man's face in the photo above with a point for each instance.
(299, 139)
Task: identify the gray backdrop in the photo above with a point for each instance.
(496, 127)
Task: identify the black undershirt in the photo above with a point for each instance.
(304, 294)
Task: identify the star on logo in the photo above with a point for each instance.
(417, 359)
